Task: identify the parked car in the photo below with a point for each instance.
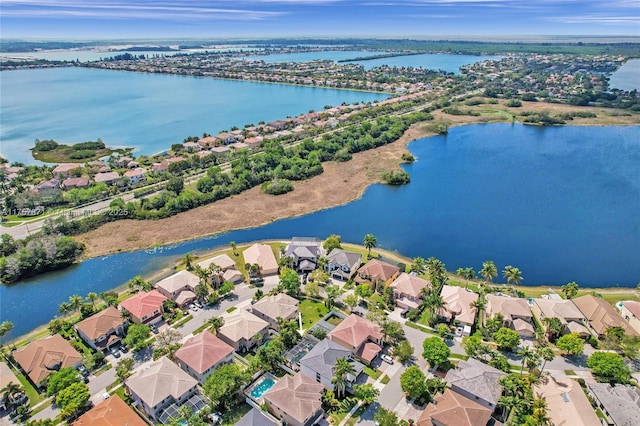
(459, 331)
(115, 352)
(193, 307)
(386, 358)
(124, 349)
(154, 329)
(82, 370)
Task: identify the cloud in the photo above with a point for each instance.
(593, 19)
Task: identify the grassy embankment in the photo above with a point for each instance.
(49, 151)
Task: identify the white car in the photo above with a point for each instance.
(193, 307)
(386, 358)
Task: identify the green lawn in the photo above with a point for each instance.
(374, 374)
(231, 309)
(232, 416)
(32, 393)
(311, 312)
(356, 415)
(385, 380)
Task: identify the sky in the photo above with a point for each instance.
(118, 19)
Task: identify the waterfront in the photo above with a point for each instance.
(627, 77)
(559, 203)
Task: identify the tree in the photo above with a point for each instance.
(539, 417)
(227, 287)
(5, 328)
(392, 332)
(471, 344)
(188, 258)
(443, 330)
(92, 297)
(215, 323)
(418, 265)
(175, 185)
(369, 242)
(547, 354)
(489, 270)
(432, 302)
(404, 351)
(269, 357)
(332, 291)
(364, 291)
(93, 361)
(289, 333)
(124, 369)
(351, 300)
(137, 284)
(234, 248)
(413, 382)
(62, 379)
(168, 341)
(571, 343)
(365, 393)
(312, 289)
(64, 308)
(258, 294)
(554, 327)
(570, 290)
(384, 417)
(75, 301)
(342, 369)
(609, 366)
(222, 386)
(512, 274)
(202, 291)
(437, 273)
(526, 354)
(11, 392)
(290, 282)
(110, 298)
(506, 338)
(332, 242)
(72, 398)
(435, 351)
(137, 335)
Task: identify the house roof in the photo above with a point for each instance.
(410, 285)
(477, 379)
(521, 325)
(63, 168)
(453, 409)
(7, 376)
(232, 275)
(255, 418)
(368, 351)
(280, 305)
(178, 281)
(601, 315)
(111, 412)
(185, 296)
(566, 402)
(458, 301)
(565, 310)
(143, 303)
(101, 323)
(344, 258)
(76, 181)
(106, 177)
(322, 358)
(509, 307)
(223, 261)
(355, 331)
(378, 270)
(633, 307)
(138, 171)
(303, 249)
(298, 396)
(242, 324)
(576, 327)
(262, 255)
(40, 357)
(622, 402)
(203, 351)
(161, 379)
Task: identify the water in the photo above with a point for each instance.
(627, 77)
(146, 111)
(561, 204)
(262, 388)
(331, 55)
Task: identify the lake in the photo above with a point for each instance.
(627, 77)
(561, 204)
(146, 111)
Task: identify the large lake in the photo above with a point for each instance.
(627, 77)
(561, 204)
(146, 111)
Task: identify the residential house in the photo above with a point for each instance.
(192, 146)
(408, 289)
(630, 311)
(207, 141)
(254, 142)
(160, 385)
(226, 137)
(76, 182)
(377, 273)
(343, 264)
(160, 167)
(572, 319)
(458, 305)
(179, 287)
(601, 315)
(361, 336)
(262, 255)
(305, 253)
(477, 381)
(201, 354)
(6, 377)
(241, 328)
(619, 403)
(145, 307)
(220, 150)
(223, 261)
(270, 308)
(133, 164)
(136, 175)
(453, 409)
(48, 187)
(255, 417)
(566, 402)
(123, 161)
(108, 178)
(233, 276)
(295, 400)
(103, 330)
(42, 357)
(110, 412)
(515, 312)
(63, 170)
(319, 363)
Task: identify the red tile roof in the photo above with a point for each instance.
(142, 304)
(356, 331)
(112, 412)
(203, 351)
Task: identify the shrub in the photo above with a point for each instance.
(277, 186)
(397, 177)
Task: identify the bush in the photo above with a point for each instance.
(46, 145)
(514, 103)
(397, 177)
(277, 186)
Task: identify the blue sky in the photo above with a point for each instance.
(256, 18)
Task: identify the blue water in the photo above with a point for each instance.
(331, 55)
(146, 111)
(561, 204)
(627, 77)
(261, 388)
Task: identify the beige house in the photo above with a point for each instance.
(179, 287)
(566, 402)
(102, 330)
(223, 261)
(361, 336)
(200, 355)
(601, 315)
(407, 290)
(160, 385)
(241, 328)
(515, 312)
(453, 409)
(565, 310)
(270, 308)
(145, 307)
(262, 255)
(458, 305)
(295, 400)
(630, 311)
(42, 357)
(377, 273)
(135, 175)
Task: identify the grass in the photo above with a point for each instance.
(569, 372)
(29, 389)
(459, 356)
(385, 380)
(232, 416)
(356, 415)
(42, 407)
(311, 312)
(374, 374)
(231, 309)
(418, 327)
(106, 367)
(183, 321)
(334, 320)
(122, 394)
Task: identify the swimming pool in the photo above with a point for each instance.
(262, 387)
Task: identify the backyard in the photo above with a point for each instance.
(311, 312)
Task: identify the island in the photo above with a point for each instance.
(50, 151)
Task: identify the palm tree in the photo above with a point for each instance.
(188, 258)
(215, 323)
(341, 370)
(480, 303)
(234, 248)
(369, 242)
(540, 416)
(547, 354)
(418, 265)
(11, 391)
(512, 274)
(570, 289)
(322, 262)
(64, 308)
(332, 291)
(201, 273)
(75, 301)
(468, 273)
(92, 297)
(526, 355)
(554, 327)
(489, 270)
(433, 302)
(437, 272)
